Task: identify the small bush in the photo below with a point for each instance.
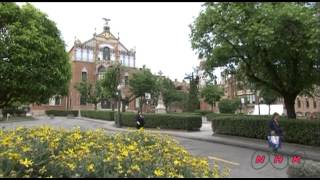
(295, 131)
(164, 121)
(14, 111)
(61, 113)
(310, 169)
(59, 153)
(103, 115)
(228, 106)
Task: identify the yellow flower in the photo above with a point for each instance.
(135, 167)
(176, 162)
(26, 149)
(71, 166)
(90, 168)
(158, 172)
(131, 148)
(14, 156)
(26, 162)
(124, 153)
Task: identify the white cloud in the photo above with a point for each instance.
(159, 31)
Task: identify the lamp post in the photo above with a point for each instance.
(241, 102)
(119, 101)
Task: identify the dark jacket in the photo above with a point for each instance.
(274, 126)
(140, 119)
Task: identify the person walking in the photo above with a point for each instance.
(275, 135)
(140, 120)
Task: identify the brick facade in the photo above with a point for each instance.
(87, 59)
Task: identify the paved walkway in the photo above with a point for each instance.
(205, 134)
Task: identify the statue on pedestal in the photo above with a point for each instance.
(160, 109)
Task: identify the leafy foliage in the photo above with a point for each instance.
(229, 105)
(212, 93)
(34, 65)
(276, 45)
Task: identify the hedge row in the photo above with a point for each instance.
(295, 131)
(104, 115)
(164, 121)
(61, 113)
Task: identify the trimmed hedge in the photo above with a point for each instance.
(15, 111)
(103, 115)
(61, 113)
(164, 121)
(295, 131)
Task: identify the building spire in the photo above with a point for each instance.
(106, 27)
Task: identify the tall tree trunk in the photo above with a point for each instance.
(95, 106)
(289, 104)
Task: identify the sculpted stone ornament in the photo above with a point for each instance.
(160, 109)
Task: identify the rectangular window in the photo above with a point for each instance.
(314, 104)
(78, 54)
(84, 76)
(51, 101)
(84, 55)
(57, 100)
(90, 56)
(83, 100)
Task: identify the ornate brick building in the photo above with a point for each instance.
(90, 60)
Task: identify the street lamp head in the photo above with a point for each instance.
(119, 87)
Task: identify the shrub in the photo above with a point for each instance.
(104, 115)
(202, 112)
(310, 169)
(229, 106)
(46, 152)
(61, 113)
(14, 111)
(164, 121)
(295, 131)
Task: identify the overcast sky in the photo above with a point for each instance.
(159, 31)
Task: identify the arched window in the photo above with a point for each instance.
(84, 74)
(314, 104)
(106, 53)
(101, 72)
(307, 103)
(299, 103)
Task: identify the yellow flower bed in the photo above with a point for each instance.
(48, 152)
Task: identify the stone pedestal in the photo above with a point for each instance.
(160, 109)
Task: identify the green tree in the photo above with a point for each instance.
(269, 97)
(110, 82)
(275, 44)
(212, 94)
(92, 93)
(34, 65)
(143, 82)
(169, 92)
(229, 105)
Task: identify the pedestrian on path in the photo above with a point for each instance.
(275, 135)
(140, 120)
